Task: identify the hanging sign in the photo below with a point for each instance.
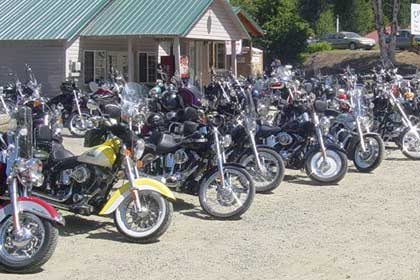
(184, 66)
(415, 19)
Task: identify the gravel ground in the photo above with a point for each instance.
(367, 227)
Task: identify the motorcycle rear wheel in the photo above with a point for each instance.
(15, 263)
(274, 164)
(149, 224)
(229, 201)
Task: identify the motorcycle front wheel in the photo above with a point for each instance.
(410, 145)
(374, 155)
(274, 169)
(230, 200)
(76, 126)
(34, 250)
(148, 224)
(330, 170)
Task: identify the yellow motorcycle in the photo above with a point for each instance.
(142, 207)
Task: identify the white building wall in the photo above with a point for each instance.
(46, 58)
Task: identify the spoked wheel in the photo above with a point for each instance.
(330, 170)
(230, 200)
(77, 127)
(147, 224)
(271, 176)
(373, 156)
(30, 251)
(410, 144)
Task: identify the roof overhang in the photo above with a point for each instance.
(253, 28)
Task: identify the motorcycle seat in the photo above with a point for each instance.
(267, 131)
(60, 153)
(169, 143)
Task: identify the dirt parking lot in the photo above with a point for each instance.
(365, 228)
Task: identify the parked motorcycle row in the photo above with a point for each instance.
(223, 145)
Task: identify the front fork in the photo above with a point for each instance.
(261, 167)
(220, 156)
(132, 174)
(320, 137)
(13, 191)
(79, 111)
(361, 135)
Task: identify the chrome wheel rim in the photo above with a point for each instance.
(17, 251)
(270, 164)
(411, 144)
(368, 158)
(145, 222)
(326, 168)
(226, 199)
(76, 125)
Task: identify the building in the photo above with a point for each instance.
(82, 39)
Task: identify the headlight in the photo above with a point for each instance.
(227, 141)
(324, 125)
(139, 150)
(366, 122)
(263, 110)
(30, 171)
(91, 105)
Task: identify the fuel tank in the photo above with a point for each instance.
(102, 155)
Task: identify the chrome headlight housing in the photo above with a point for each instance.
(139, 149)
(30, 172)
(227, 141)
(324, 125)
(92, 105)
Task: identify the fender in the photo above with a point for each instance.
(143, 184)
(353, 143)
(327, 146)
(34, 206)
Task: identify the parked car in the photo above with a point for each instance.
(348, 40)
(403, 39)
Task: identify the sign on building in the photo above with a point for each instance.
(229, 47)
(415, 19)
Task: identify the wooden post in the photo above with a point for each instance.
(234, 63)
(131, 59)
(177, 54)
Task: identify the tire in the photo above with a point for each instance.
(211, 177)
(406, 144)
(339, 158)
(375, 160)
(352, 46)
(44, 253)
(266, 156)
(74, 124)
(157, 230)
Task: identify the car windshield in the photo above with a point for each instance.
(352, 35)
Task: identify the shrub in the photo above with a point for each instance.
(318, 47)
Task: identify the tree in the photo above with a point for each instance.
(326, 23)
(387, 50)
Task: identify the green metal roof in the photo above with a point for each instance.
(146, 17)
(46, 19)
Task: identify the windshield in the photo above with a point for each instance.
(134, 98)
(284, 73)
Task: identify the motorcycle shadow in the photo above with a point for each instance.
(305, 181)
(78, 225)
(193, 211)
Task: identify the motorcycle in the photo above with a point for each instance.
(28, 225)
(302, 145)
(142, 207)
(351, 130)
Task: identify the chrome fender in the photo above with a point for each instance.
(34, 206)
(144, 184)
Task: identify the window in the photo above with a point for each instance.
(147, 68)
(118, 61)
(94, 66)
(217, 55)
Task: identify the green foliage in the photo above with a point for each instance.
(326, 23)
(318, 47)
